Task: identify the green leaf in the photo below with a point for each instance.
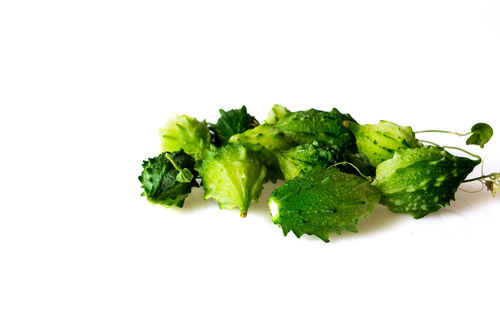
(184, 175)
(481, 134)
(379, 141)
(232, 122)
(186, 133)
(322, 201)
(233, 176)
(159, 179)
(422, 180)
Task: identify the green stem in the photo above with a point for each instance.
(355, 167)
(450, 147)
(440, 131)
(464, 151)
(481, 177)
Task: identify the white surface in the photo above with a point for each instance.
(84, 86)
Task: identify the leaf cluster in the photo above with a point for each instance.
(335, 169)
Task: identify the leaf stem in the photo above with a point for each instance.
(482, 177)
(464, 151)
(440, 131)
(355, 167)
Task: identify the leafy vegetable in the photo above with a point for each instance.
(304, 158)
(232, 122)
(187, 133)
(321, 201)
(335, 170)
(379, 141)
(422, 180)
(233, 176)
(162, 181)
(277, 113)
(481, 134)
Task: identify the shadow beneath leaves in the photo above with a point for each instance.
(195, 201)
(466, 199)
(261, 207)
(381, 218)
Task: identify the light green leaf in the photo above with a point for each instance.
(186, 133)
(233, 176)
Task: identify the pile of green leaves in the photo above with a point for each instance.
(335, 170)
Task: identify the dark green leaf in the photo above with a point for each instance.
(321, 201)
(232, 122)
(160, 181)
(481, 134)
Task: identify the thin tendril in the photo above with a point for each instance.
(355, 167)
(440, 131)
(480, 177)
(464, 151)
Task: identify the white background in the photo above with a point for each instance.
(85, 85)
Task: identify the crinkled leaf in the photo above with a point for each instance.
(481, 134)
(322, 201)
(232, 122)
(186, 133)
(379, 141)
(422, 180)
(159, 179)
(233, 176)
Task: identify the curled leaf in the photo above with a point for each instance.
(481, 134)
(184, 175)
